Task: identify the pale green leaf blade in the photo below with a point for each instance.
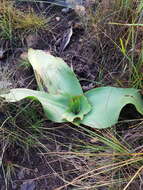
(107, 103)
(53, 73)
(56, 107)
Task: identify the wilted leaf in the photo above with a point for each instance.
(107, 103)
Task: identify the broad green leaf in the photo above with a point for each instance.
(53, 74)
(56, 107)
(107, 103)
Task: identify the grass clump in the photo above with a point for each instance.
(14, 21)
(29, 21)
(108, 160)
(117, 26)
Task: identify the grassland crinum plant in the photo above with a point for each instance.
(66, 102)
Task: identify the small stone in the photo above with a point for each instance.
(58, 18)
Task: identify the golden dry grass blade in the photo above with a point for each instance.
(135, 175)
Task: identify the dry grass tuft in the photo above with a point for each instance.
(13, 20)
